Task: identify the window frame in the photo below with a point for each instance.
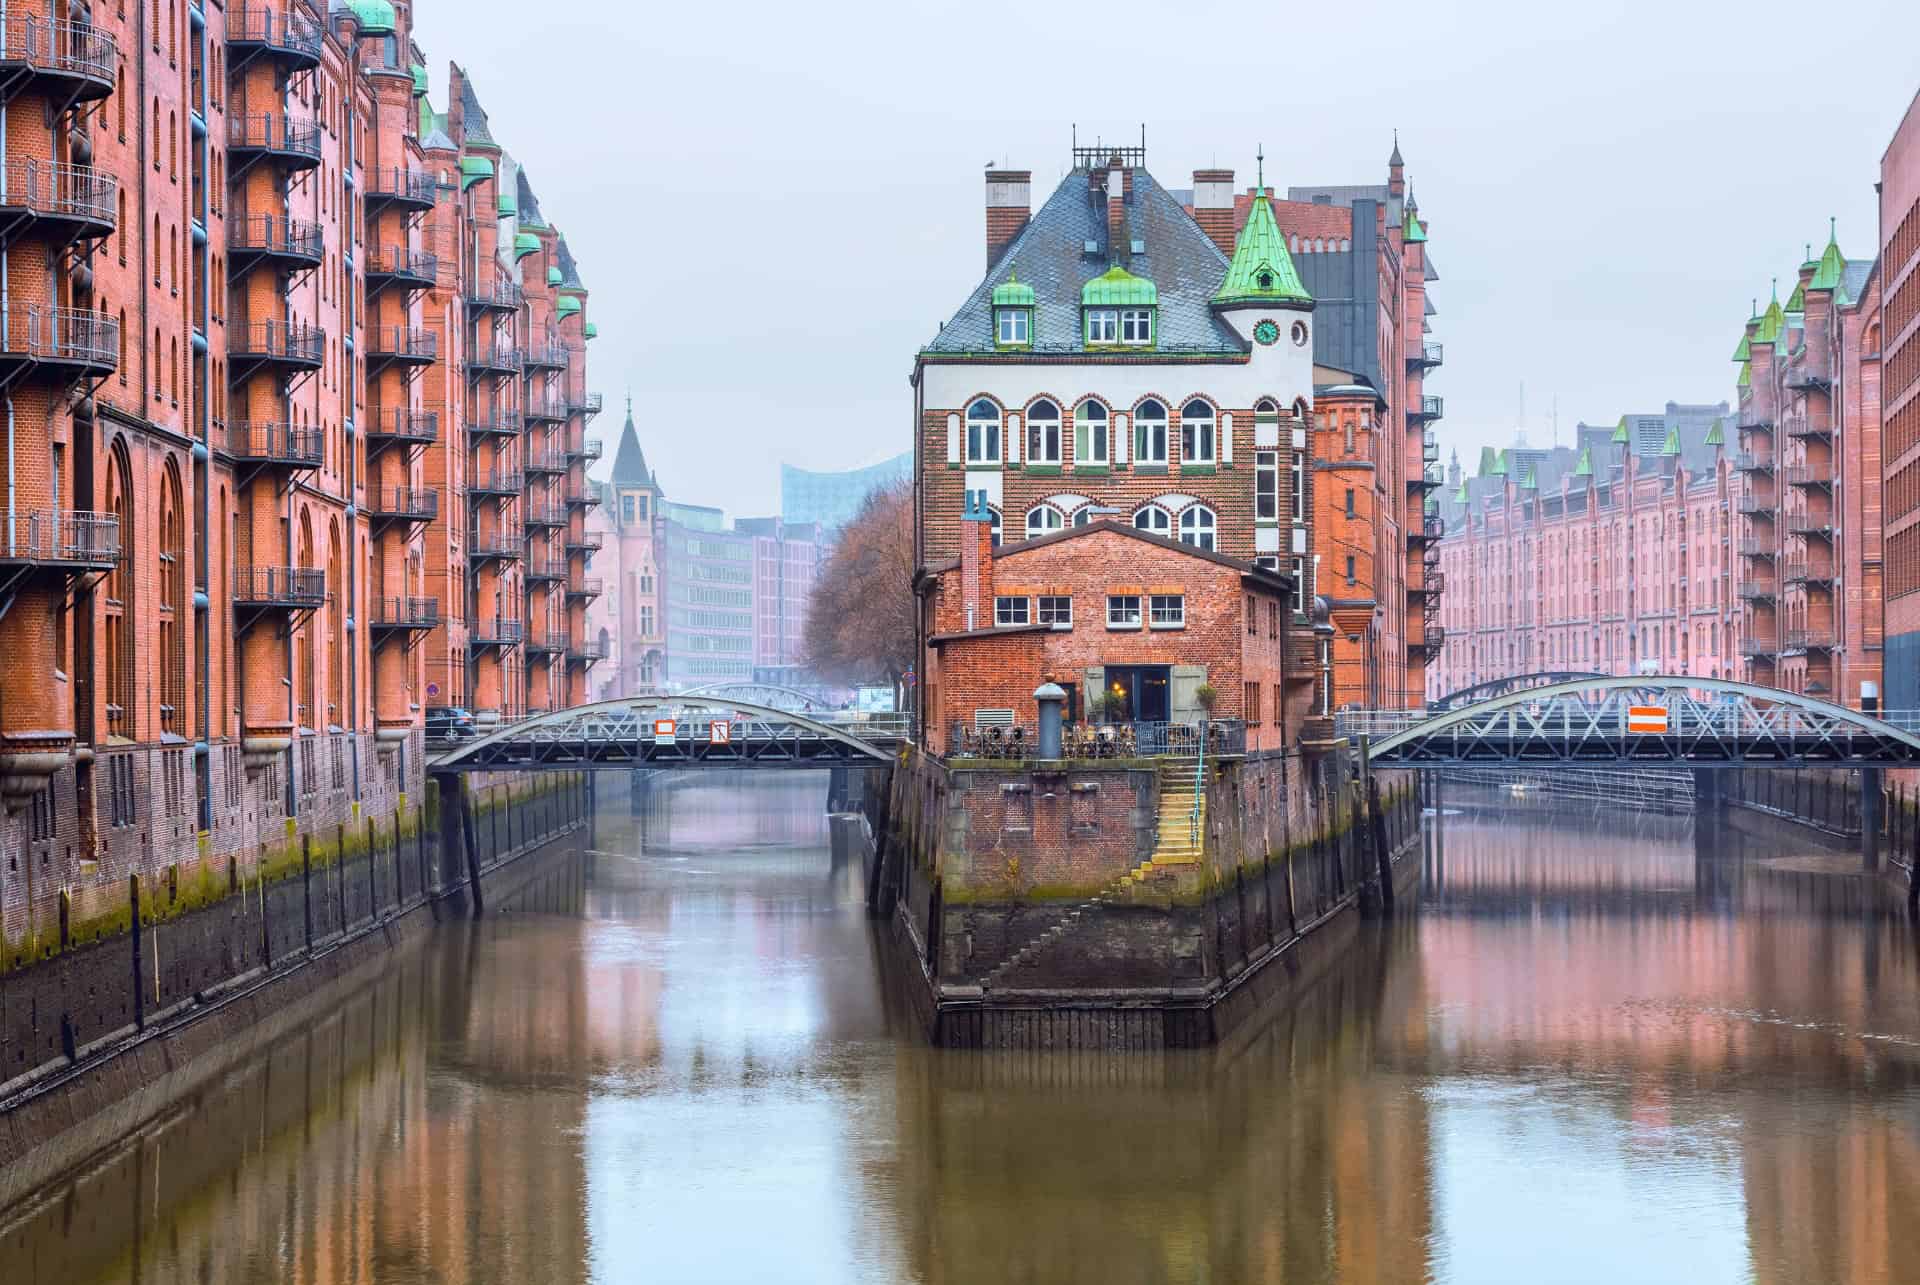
(1140, 322)
(1048, 610)
(1038, 425)
(1090, 432)
(1167, 611)
(1206, 538)
(1004, 610)
(1199, 430)
(1023, 317)
(1059, 524)
(1120, 616)
(984, 427)
(1266, 486)
(1104, 320)
(1144, 425)
(1164, 531)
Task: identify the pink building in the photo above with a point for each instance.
(1614, 555)
(785, 557)
(627, 620)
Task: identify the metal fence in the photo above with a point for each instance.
(1021, 741)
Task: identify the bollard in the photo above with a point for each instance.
(1052, 698)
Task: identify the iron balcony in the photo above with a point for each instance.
(590, 405)
(545, 356)
(285, 35)
(292, 588)
(1810, 638)
(545, 409)
(1753, 462)
(72, 539)
(1754, 421)
(493, 546)
(1757, 590)
(402, 427)
(495, 483)
(589, 449)
(1430, 408)
(291, 344)
(72, 60)
(397, 265)
(582, 494)
(1758, 549)
(500, 423)
(546, 515)
(1810, 475)
(548, 461)
(493, 359)
(1808, 376)
(72, 201)
(1425, 355)
(400, 187)
(1808, 573)
(402, 504)
(586, 589)
(1758, 648)
(547, 642)
(1756, 506)
(265, 444)
(405, 614)
(498, 295)
(1813, 526)
(586, 651)
(401, 346)
(1434, 584)
(60, 343)
(546, 570)
(293, 142)
(497, 631)
(1806, 429)
(586, 542)
(288, 244)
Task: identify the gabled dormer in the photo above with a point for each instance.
(1013, 303)
(1118, 309)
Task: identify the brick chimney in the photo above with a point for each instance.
(976, 572)
(1213, 206)
(1009, 206)
(1118, 244)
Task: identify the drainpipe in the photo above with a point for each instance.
(202, 604)
(6, 319)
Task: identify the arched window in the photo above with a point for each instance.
(1043, 519)
(1043, 433)
(1196, 527)
(1266, 406)
(1150, 433)
(119, 605)
(983, 432)
(173, 605)
(1153, 520)
(1196, 432)
(1090, 442)
(1084, 514)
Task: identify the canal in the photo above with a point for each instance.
(1603, 1049)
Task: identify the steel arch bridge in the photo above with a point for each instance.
(1501, 686)
(674, 731)
(771, 695)
(1690, 721)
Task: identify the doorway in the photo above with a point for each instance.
(1143, 691)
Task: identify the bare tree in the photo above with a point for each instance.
(860, 621)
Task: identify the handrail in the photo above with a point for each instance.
(1199, 787)
(67, 191)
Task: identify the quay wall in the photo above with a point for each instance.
(1036, 908)
(93, 1027)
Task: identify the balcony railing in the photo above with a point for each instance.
(78, 337)
(76, 52)
(1802, 427)
(1757, 549)
(402, 504)
(586, 649)
(546, 569)
(1757, 590)
(1756, 506)
(498, 631)
(293, 587)
(399, 185)
(270, 236)
(1100, 740)
(1431, 408)
(286, 33)
(402, 345)
(1759, 648)
(1808, 375)
(586, 450)
(1801, 571)
(412, 427)
(582, 493)
(1809, 638)
(260, 442)
(590, 587)
(545, 514)
(587, 542)
(545, 408)
(1753, 462)
(495, 482)
(498, 423)
(400, 265)
(405, 613)
(501, 543)
(1754, 421)
(292, 342)
(493, 359)
(64, 536)
(546, 461)
(72, 194)
(1425, 355)
(548, 642)
(1811, 525)
(1810, 475)
(288, 137)
(499, 295)
(590, 405)
(545, 356)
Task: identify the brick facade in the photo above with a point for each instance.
(1899, 342)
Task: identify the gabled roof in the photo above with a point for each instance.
(629, 461)
(569, 267)
(1827, 274)
(1261, 270)
(529, 203)
(1185, 266)
(473, 117)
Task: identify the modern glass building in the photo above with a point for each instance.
(831, 499)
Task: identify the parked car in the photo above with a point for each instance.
(450, 723)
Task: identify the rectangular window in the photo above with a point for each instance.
(1349, 501)
(1123, 611)
(1011, 611)
(1013, 325)
(1043, 441)
(626, 508)
(1196, 442)
(1297, 487)
(983, 441)
(1169, 611)
(1103, 325)
(1349, 568)
(1266, 486)
(1056, 611)
(1253, 617)
(1136, 326)
(1150, 441)
(1253, 704)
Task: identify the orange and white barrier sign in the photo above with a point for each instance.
(663, 731)
(722, 732)
(1646, 718)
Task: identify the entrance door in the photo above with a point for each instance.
(1143, 691)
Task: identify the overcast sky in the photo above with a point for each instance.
(775, 205)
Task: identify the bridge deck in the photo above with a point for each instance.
(633, 737)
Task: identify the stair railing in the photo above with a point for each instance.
(1199, 789)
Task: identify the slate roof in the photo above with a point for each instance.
(1181, 260)
(569, 267)
(473, 115)
(629, 461)
(529, 203)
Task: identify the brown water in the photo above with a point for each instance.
(1595, 1054)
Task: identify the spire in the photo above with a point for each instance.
(1261, 270)
(629, 461)
(1672, 445)
(1260, 169)
(1620, 436)
(1827, 273)
(1773, 321)
(1395, 160)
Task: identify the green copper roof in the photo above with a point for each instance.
(592, 331)
(1412, 232)
(1620, 430)
(1460, 496)
(1797, 301)
(1584, 468)
(1714, 436)
(1116, 288)
(568, 305)
(1672, 446)
(506, 204)
(1772, 321)
(375, 16)
(419, 80)
(1832, 264)
(1487, 459)
(1499, 463)
(554, 276)
(1261, 271)
(1015, 293)
(1745, 350)
(473, 169)
(1746, 375)
(524, 244)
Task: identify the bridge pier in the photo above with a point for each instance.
(1709, 800)
(1870, 785)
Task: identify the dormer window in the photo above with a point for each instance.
(1103, 325)
(1136, 325)
(1266, 281)
(1013, 327)
(1118, 308)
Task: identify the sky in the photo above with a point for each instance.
(774, 206)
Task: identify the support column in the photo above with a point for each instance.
(1870, 818)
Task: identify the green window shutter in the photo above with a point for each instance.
(1183, 682)
(1097, 674)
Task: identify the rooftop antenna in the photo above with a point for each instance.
(1260, 171)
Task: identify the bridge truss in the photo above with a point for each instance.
(1701, 722)
(1511, 683)
(771, 695)
(674, 731)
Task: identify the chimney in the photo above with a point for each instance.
(1213, 206)
(976, 568)
(1117, 242)
(1009, 206)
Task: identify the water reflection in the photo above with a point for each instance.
(1603, 1049)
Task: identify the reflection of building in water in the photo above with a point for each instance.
(727, 809)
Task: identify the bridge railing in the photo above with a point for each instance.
(1080, 740)
(1684, 716)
